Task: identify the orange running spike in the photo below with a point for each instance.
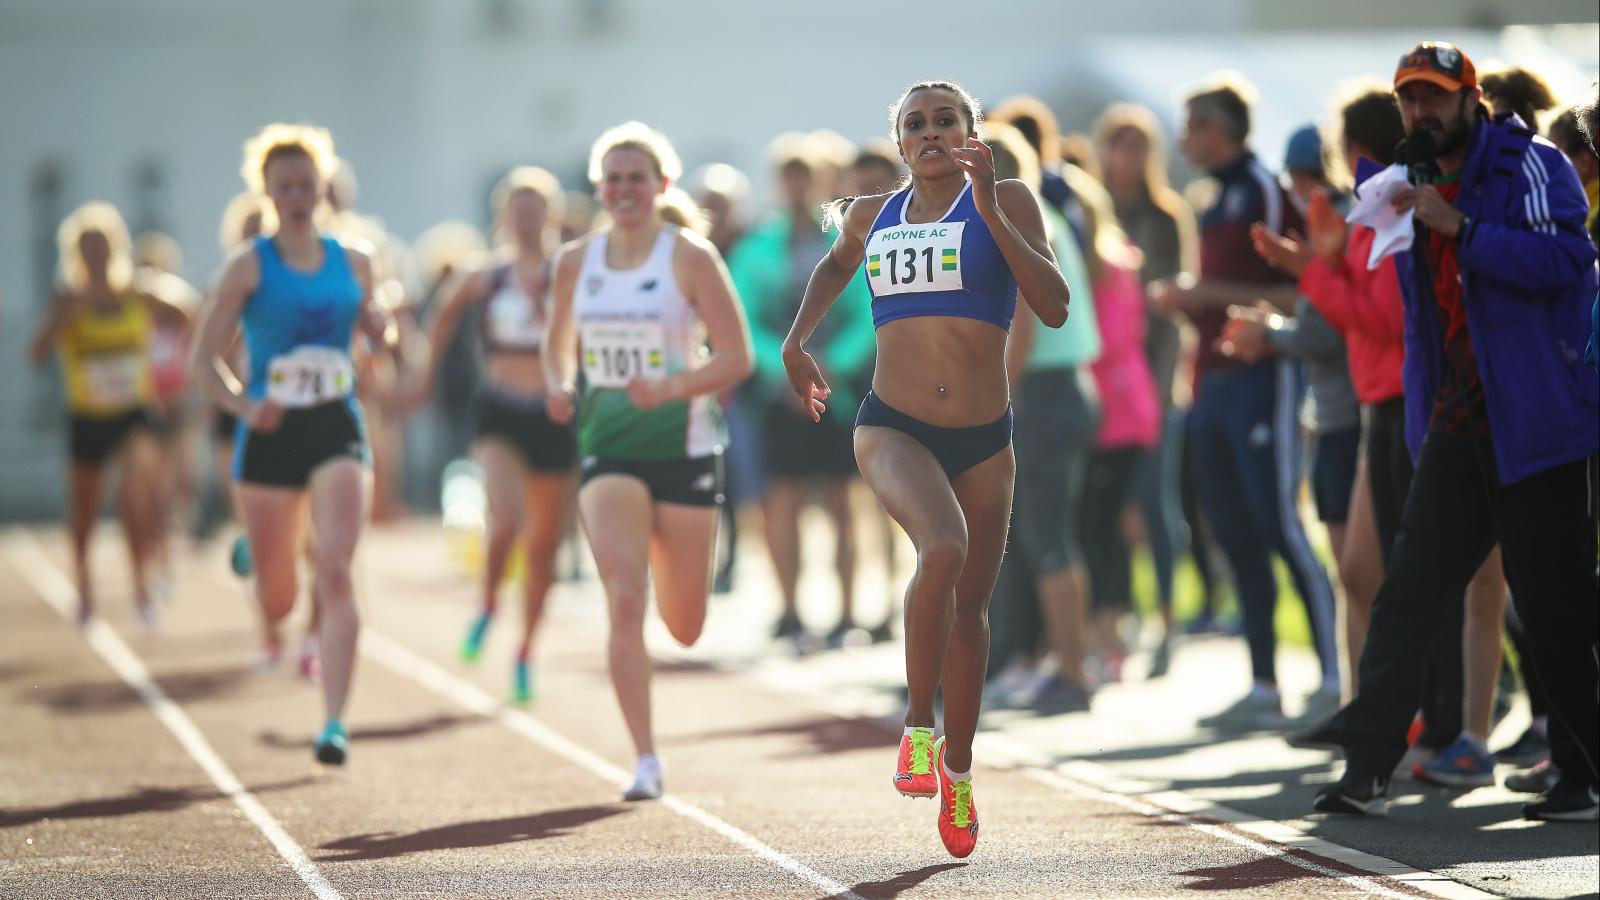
(913, 772)
(958, 812)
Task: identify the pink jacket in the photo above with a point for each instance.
(1130, 415)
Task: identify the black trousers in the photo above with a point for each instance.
(1389, 472)
(1456, 511)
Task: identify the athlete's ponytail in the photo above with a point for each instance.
(833, 213)
(676, 207)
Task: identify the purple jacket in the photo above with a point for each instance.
(1528, 270)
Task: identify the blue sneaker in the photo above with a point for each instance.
(1462, 764)
(239, 560)
(473, 645)
(332, 745)
(522, 682)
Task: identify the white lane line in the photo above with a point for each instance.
(795, 682)
(1277, 833)
(1072, 786)
(403, 661)
(58, 592)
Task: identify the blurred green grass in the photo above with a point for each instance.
(1293, 627)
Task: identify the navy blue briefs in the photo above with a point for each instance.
(956, 449)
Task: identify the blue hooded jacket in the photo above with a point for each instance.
(1529, 276)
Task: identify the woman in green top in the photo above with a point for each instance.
(645, 300)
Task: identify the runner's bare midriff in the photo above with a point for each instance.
(520, 373)
(966, 357)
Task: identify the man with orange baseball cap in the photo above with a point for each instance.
(1502, 419)
(1449, 76)
(1440, 62)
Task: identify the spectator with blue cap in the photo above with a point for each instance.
(1305, 164)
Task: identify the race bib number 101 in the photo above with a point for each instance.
(307, 376)
(616, 352)
(913, 258)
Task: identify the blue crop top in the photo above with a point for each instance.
(291, 309)
(951, 267)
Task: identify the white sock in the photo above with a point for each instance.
(955, 776)
(648, 762)
(911, 728)
(1478, 743)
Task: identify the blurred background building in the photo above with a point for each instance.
(146, 104)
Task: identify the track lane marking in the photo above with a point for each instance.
(57, 591)
(406, 662)
(1159, 813)
(1270, 838)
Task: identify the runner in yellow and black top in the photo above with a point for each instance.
(646, 297)
(99, 325)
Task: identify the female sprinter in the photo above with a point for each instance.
(100, 324)
(529, 462)
(298, 294)
(645, 297)
(946, 258)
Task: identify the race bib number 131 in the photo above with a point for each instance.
(914, 258)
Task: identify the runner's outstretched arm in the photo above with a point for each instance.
(827, 281)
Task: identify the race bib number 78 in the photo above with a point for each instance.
(907, 259)
(307, 376)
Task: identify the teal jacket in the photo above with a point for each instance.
(843, 344)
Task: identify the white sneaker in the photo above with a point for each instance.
(162, 590)
(1415, 757)
(267, 659)
(646, 784)
(1319, 707)
(309, 664)
(148, 617)
(1006, 682)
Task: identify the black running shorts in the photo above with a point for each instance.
(696, 481)
(305, 439)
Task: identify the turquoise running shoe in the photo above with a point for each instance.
(522, 682)
(473, 645)
(333, 745)
(240, 561)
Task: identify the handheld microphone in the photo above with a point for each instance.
(1420, 155)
